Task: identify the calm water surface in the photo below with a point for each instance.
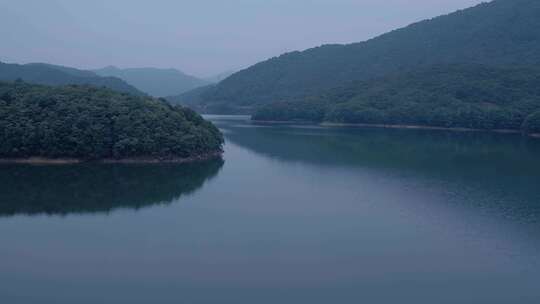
(294, 214)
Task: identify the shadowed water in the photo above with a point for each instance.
(93, 188)
(296, 214)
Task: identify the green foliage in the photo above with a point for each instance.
(499, 33)
(454, 96)
(308, 110)
(531, 125)
(90, 123)
(47, 74)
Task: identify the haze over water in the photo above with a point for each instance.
(294, 214)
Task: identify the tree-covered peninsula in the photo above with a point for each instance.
(448, 96)
(87, 123)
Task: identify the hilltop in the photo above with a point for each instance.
(54, 75)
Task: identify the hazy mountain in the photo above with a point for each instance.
(67, 70)
(47, 74)
(219, 77)
(192, 97)
(499, 33)
(155, 82)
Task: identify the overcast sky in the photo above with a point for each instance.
(201, 37)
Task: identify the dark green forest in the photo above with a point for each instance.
(498, 33)
(455, 96)
(54, 75)
(91, 123)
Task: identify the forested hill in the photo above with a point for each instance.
(89, 123)
(502, 32)
(155, 82)
(47, 74)
(450, 96)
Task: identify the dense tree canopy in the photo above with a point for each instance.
(454, 96)
(91, 123)
(499, 33)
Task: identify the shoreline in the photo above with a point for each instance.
(278, 122)
(134, 160)
(417, 127)
(408, 127)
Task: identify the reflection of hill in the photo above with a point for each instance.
(505, 169)
(91, 188)
(421, 150)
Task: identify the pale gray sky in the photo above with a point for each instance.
(201, 37)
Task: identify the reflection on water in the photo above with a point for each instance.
(297, 214)
(91, 188)
(420, 150)
(489, 171)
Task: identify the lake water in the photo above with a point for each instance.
(294, 214)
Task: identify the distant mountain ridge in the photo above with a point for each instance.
(54, 75)
(154, 81)
(498, 33)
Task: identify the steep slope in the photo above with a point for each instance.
(450, 96)
(502, 32)
(155, 82)
(47, 74)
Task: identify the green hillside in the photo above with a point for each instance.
(89, 123)
(499, 33)
(450, 96)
